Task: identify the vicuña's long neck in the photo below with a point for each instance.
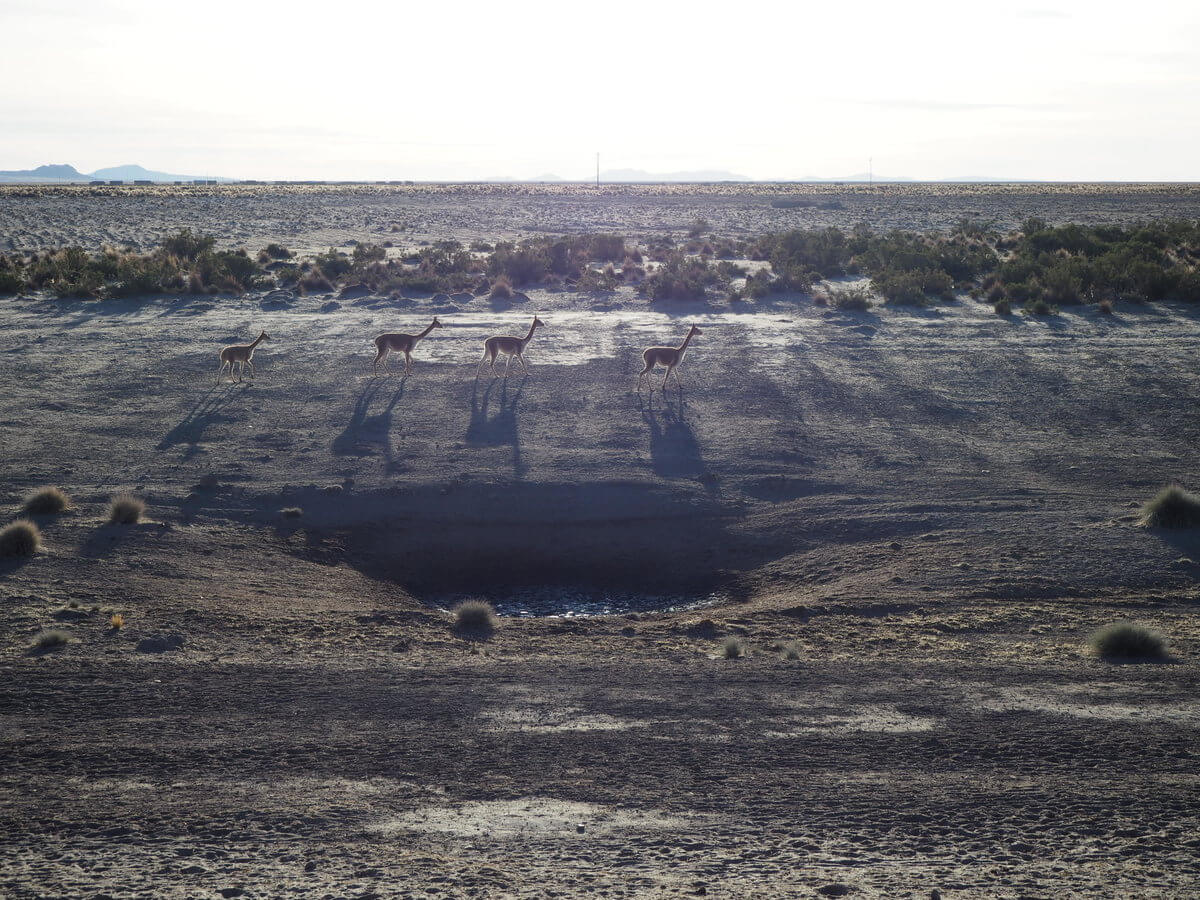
(256, 342)
(531, 329)
(683, 346)
(425, 332)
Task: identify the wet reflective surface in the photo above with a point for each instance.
(575, 602)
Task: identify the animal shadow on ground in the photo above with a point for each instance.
(365, 434)
(209, 410)
(674, 450)
(500, 429)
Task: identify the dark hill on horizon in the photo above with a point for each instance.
(62, 173)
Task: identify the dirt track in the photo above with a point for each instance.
(935, 505)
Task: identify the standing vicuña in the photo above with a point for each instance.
(510, 346)
(240, 353)
(402, 343)
(666, 356)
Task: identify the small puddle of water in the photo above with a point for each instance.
(575, 602)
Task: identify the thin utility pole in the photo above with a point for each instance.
(597, 168)
(871, 171)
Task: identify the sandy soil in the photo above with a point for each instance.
(934, 507)
(313, 217)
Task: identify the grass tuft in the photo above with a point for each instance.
(50, 639)
(732, 648)
(125, 509)
(21, 538)
(1125, 640)
(791, 651)
(46, 501)
(1172, 507)
(291, 512)
(475, 618)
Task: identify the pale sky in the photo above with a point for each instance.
(461, 90)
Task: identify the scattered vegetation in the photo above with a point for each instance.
(1034, 265)
(732, 648)
(125, 509)
(46, 501)
(857, 299)
(116, 622)
(1125, 640)
(21, 538)
(474, 618)
(1172, 507)
(291, 512)
(791, 651)
(50, 639)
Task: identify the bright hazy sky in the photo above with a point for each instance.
(459, 90)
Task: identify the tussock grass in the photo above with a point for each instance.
(791, 651)
(125, 509)
(50, 639)
(46, 501)
(474, 618)
(1125, 640)
(116, 621)
(502, 288)
(291, 512)
(21, 538)
(1172, 507)
(732, 648)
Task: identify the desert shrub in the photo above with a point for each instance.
(851, 298)
(1106, 307)
(1038, 307)
(474, 617)
(21, 538)
(116, 622)
(125, 509)
(1002, 307)
(697, 228)
(50, 639)
(188, 246)
(502, 288)
(732, 648)
(605, 247)
(679, 278)
(1172, 507)
(333, 263)
(368, 253)
(11, 280)
(481, 247)
(46, 501)
(276, 251)
(729, 270)
(1125, 640)
(291, 512)
(315, 280)
(791, 651)
(912, 287)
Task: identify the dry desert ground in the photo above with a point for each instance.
(903, 522)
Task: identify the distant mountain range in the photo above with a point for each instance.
(64, 174)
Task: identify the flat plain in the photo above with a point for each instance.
(904, 521)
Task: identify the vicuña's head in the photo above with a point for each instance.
(695, 330)
(263, 336)
(537, 321)
(436, 323)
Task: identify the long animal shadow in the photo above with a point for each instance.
(674, 450)
(209, 410)
(501, 428)
(366, 434)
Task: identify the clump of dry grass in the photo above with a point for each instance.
(116, 622)
(50, 639)
(1172, 507)
(46, 501)
(475, 618)
(291, 512)
(21, 538)
(1125, 640)
(1106, 307)
(791, 651)
(502, 288)
(125, 509)
(732, 648)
